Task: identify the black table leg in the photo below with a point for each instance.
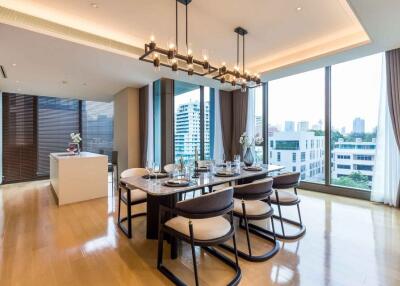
(153, 207)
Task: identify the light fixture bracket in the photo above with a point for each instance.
(184, 2)
(240, 31)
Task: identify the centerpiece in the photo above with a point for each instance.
(247, 144)
(74, 146)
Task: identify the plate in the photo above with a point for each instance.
(225, 174)
(252, 168)
(153, 176)
(177, 183)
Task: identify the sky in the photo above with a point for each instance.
(356, 87)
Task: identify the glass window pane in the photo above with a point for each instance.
(258, 130)
(187, 120)
(296, 124)
(97, 127)
(208, 122)
(355, 102)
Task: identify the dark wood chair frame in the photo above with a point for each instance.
(127, 201)
(279, 204)
(207, 245)
(254, 229)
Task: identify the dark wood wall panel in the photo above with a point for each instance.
(19, 137)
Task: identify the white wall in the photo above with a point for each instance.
(126, 128)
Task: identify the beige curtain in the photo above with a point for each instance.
(393, 91)
(143, 122)
(226, 121)
(239, 119)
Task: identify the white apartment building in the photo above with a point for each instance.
(298, 151)
(351, 157)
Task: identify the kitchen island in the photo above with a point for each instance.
(76, 178)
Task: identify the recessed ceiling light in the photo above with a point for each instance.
(94, 5)
(64, 82)
(85, 84)
(14, 65)
(299, 8)
(17, 81)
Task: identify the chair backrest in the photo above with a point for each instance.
(133, 172)
(209, 205)
(286, 180)
(169, 168)
(256, 190)
(114, 157)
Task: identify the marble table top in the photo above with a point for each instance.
(205, 180)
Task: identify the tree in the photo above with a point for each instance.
(354, 180)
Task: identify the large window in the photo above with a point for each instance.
(296, 123)
(57, 119)
(355, 101)
(193, 121)
(35, 126)
(97, 127)
(258, 120)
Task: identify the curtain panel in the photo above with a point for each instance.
(226, 121)
(393, 94)
(239, 112)
(143, 123)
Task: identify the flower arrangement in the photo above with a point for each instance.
(246, 141)
(76, 137)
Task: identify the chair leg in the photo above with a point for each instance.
(119, 205)
(247, 227)
(193, 254)
(280, 212)
(236, 251)
(298, 211)
(129, 214)
(112, 181)
(273, 227)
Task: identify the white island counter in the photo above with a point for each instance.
(77, 178)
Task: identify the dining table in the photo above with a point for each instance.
(158, 193)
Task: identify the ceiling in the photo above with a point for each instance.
(281, 40)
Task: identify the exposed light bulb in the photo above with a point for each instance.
(156, 62)
(189, 52)
(190, 69)
(174, 65)
(152, 38)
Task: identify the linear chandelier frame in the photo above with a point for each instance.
(171, 58)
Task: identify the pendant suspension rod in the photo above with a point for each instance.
(243, 55)
(176, 25)
(237, 51)
(187, 45)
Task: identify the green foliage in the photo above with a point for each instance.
(354, 180)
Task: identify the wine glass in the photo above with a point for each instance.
(156, 169)
(149, 169)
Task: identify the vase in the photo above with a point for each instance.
(248, 158)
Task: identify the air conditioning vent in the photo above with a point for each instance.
(3, 72)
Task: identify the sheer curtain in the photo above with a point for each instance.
(150, 134)
(387, 162)
(251, 113)
(218, 143)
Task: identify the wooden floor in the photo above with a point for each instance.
(348, 242)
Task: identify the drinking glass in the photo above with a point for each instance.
(156, 169)
(228, 166)
(149, 169)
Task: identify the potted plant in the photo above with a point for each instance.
(75, 145)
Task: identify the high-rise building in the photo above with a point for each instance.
(353, 157)
(358, 125)
(302, 126)
(298, 151)
(289, 126)
(187, 130)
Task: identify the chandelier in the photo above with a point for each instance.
(172, 58)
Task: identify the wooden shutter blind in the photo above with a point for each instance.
(19, 137)
(57, 119)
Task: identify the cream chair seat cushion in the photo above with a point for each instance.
(203, 229)
(284, 196)
(136, 195)
(252, 207)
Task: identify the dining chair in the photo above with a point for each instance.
(281, 197)
(200, 222)
(249, 204)
(130, 198)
